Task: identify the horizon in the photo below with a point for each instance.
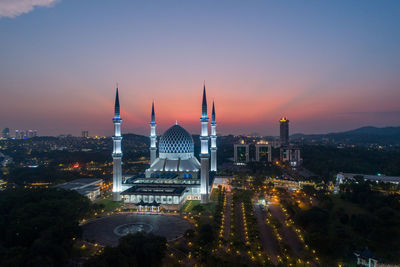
(328, 67)
(254, 134)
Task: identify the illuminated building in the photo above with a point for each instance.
(241, 153)
(284, 131)
(153, 136)
(291, 155)
(175, 175)
(213, 141)
(89, 187)
(204, 155)
(85, 134)
(117, 151)
(263, 151)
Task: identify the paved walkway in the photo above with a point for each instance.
(107, 230)
(268, 241)
(288, 235)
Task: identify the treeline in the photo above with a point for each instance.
(327, 161)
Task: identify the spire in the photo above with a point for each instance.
(153, 116)
(213, 113)
(204, 105)
(116, 109)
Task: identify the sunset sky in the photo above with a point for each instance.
(326, 65)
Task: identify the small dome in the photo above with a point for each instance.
(176, 140)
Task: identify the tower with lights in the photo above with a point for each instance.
(204, 155)
(153, 136)
(284, 130)
(213, 141)
(117, 151)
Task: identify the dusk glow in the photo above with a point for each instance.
(327, 67)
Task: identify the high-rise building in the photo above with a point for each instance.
(117, 151)
(284, 131)
(241, 153)
(291, 155)
(85, 134)
(263, 151)
(5, 133)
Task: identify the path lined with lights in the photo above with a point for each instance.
(227, 216)
(239, 221)
(292, 236)
(287, 233)
(268, 241)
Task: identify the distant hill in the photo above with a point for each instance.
(368, 134)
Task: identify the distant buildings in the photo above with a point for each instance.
(284, 131)
(291, 155)
(22, 134)
(85, 134)
(260, 150)
(5, 133)
(255, 151)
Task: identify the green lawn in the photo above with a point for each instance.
(208, 209)
(109, 204)
(189, 205)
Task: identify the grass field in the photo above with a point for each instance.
(189, 205)
(109, 204)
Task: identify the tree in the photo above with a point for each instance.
(37, 226)
(140, 249)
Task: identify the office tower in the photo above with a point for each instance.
(284, 131)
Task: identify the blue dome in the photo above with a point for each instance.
(176, 140)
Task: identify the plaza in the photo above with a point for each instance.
(107, 230)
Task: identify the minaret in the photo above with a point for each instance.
(204, 156)
(153, 136)
(117, 151)
(213, 141)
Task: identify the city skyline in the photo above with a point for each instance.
(327, 67)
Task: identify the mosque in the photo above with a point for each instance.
(175, 175)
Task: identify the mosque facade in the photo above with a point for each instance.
(175, 174)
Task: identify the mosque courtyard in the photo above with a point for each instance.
(107, 230)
